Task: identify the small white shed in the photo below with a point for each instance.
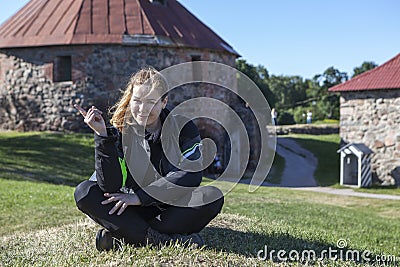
(355, 165)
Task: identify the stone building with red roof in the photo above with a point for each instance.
(370, 114)
(55, 53)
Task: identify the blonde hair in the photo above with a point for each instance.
(145, 75)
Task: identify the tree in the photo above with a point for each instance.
(331, 77)
(328, 103)
(259, 75)
(292, 96)
(288, 90)
(365, 66)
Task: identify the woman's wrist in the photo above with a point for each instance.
(102, 133)
(136, 201)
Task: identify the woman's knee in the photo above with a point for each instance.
(216, 206)
(213, 198)
(83, 193)
(212, 193)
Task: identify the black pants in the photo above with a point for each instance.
(133, 223)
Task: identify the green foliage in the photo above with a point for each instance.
(285, 118)
(328, 103)
(259, 75)
(294, 95)
(299, 114)
(288, 90)
(330, 78)
(365, 66)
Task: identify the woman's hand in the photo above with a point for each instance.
(123, 201)
(93, 119)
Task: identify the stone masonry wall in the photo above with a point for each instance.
(373, 118)
(31, 101)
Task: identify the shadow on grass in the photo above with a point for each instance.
(46, 157)
(250, 244)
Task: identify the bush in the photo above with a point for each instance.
(286, 119)
(299, 114)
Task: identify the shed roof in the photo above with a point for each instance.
(386, 76)
(67, 22)
(360, 147)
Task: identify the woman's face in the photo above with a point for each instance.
(146, 105)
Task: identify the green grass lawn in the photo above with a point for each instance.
(54, 158)
(277, 168)
(324, 148)
(40, 225)
(388, 190)
(374, 189)
(327, 121)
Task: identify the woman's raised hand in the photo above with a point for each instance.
(93, 119)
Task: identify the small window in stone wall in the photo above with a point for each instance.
(62, 69)
(196, 68)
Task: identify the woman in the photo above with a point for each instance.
(138, 202)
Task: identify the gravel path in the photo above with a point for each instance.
(300, 164)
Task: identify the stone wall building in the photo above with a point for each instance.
(55, 53)
(370, 114)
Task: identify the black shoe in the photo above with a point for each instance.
(193, 240)
(104, 240)
(157, 238)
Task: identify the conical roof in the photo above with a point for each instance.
(69, 22)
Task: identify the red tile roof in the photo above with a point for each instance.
(66, 22)
(386, 76)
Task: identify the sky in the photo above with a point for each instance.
(293, 37)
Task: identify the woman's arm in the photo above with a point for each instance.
(177, 181)
(108, 171)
